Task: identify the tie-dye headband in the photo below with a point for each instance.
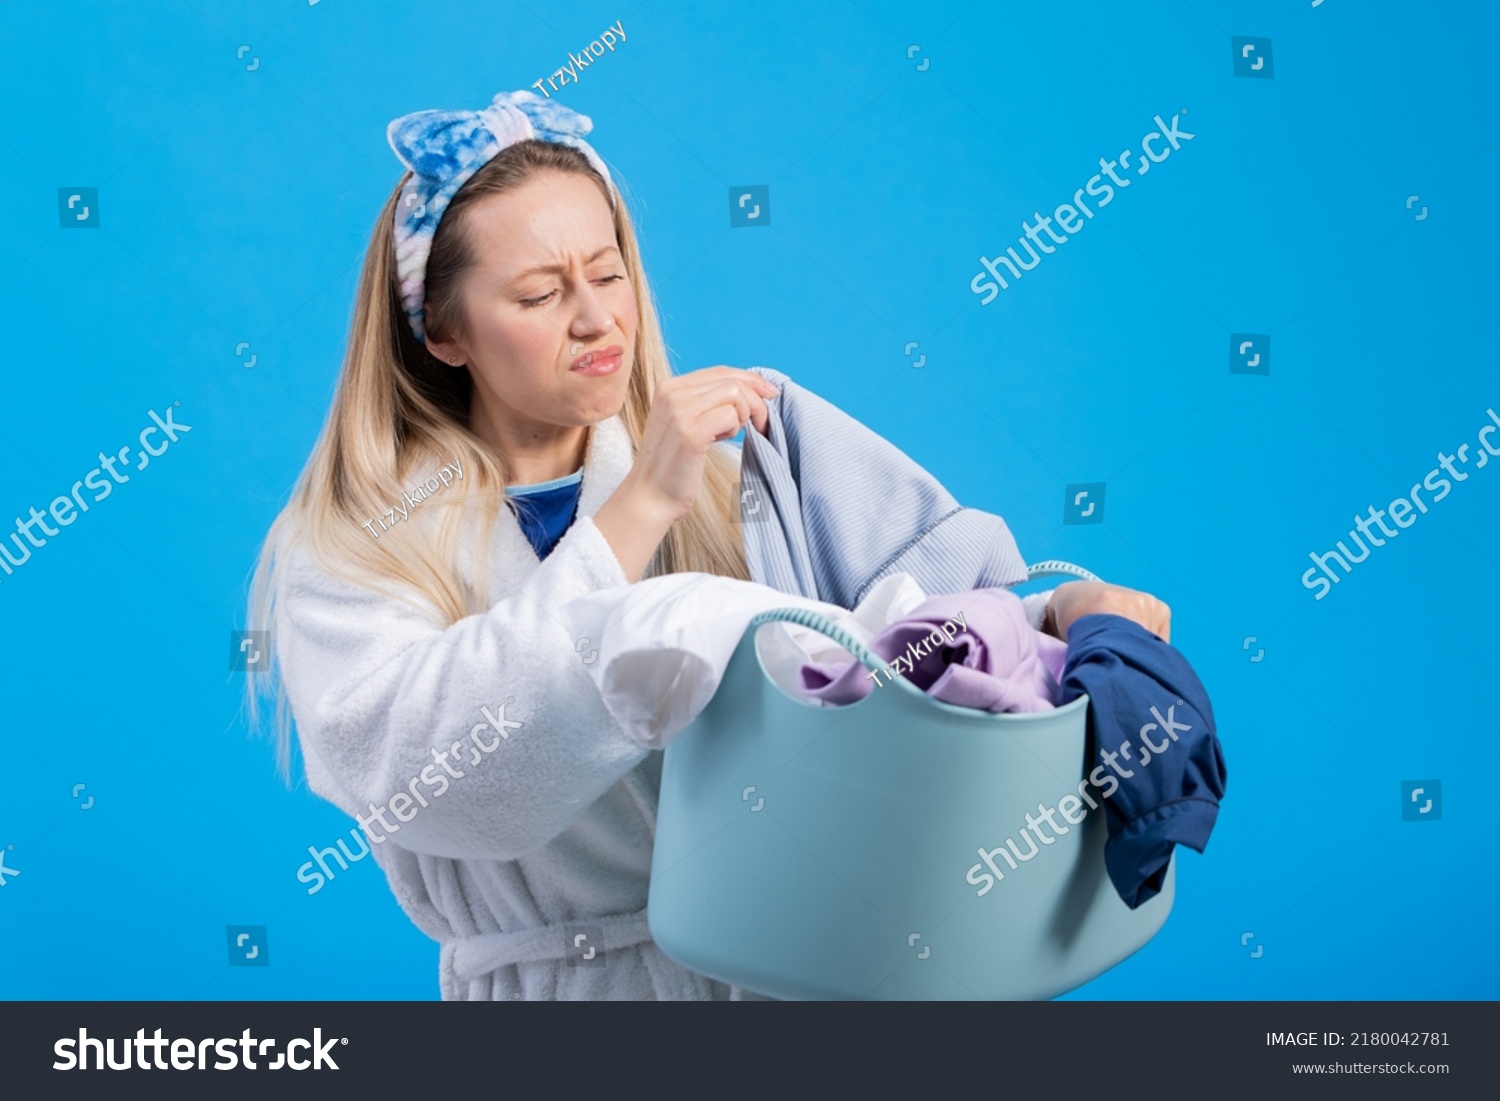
(444, 148)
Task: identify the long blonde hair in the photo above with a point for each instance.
(398, 410)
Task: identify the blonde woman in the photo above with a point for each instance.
(506, 435)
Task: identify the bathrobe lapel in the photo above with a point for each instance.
(606, 462)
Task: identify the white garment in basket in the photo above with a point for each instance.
(663, 644)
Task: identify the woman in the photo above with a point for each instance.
(504, 347)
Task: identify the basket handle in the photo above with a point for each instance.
(823, 625)
(864, 655)
(1053, 567)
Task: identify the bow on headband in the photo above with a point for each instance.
(444, 148)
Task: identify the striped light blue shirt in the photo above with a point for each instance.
(829, 508)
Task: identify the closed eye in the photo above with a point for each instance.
(531, 303)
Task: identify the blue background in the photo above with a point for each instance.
(235, 204)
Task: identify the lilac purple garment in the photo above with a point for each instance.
(996, 661)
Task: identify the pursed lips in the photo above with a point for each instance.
(589, 358)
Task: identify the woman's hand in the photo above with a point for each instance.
(1080, 598)
(689, 413)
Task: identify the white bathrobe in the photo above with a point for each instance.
(544, 840)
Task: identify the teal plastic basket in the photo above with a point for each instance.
(814, 852)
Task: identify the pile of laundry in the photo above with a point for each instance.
(837, 520)
(664, 645)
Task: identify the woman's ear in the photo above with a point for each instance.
(448, 351)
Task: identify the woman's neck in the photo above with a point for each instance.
(529, 451)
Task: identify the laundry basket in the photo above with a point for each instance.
(817, 852)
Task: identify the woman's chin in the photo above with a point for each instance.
(602, 398)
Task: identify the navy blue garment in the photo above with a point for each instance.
(546, 510)
(1160, 766)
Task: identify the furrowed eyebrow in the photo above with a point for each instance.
(543, 269)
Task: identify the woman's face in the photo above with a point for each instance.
(527, 328)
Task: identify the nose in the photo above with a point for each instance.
(592, 316)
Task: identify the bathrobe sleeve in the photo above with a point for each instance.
(382, 694)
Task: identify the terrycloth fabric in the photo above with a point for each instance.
(1161, 768)
(664, 644)
(444, 148)
(829, 508)
(973, 649)
(558, 834)
(553, 830)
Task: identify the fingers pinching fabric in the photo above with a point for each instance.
(444, 149)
